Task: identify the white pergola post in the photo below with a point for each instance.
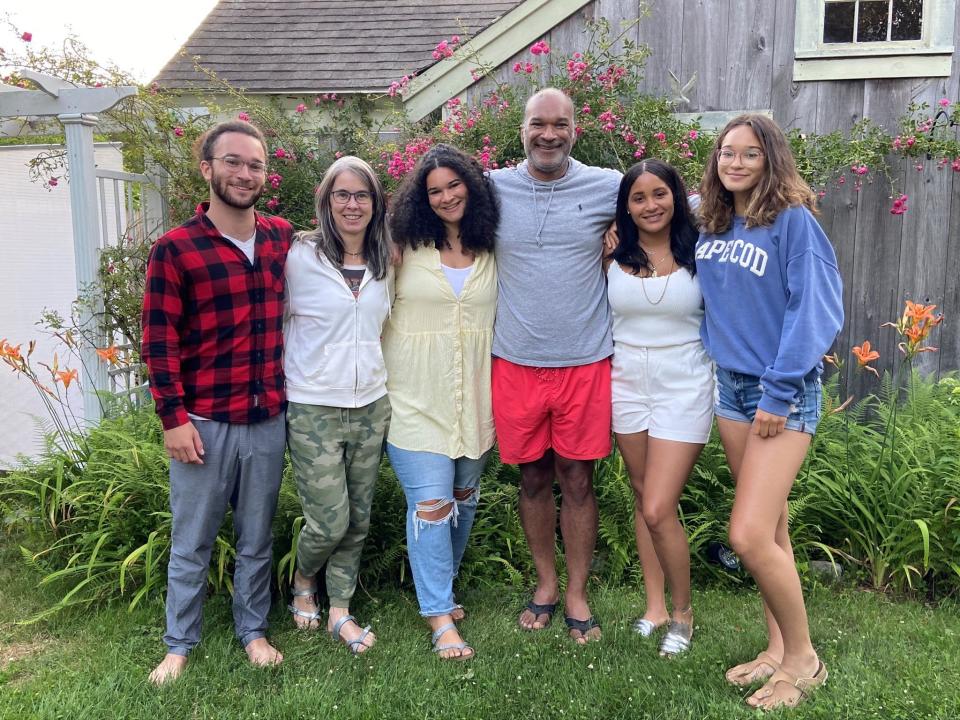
(78, 128)
(75, 107)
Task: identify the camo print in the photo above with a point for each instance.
(335, 453)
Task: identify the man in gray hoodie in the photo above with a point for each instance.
(552, 348)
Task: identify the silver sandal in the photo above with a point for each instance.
(297, 612)
(677, 640)
(645, 628)
(439, 647)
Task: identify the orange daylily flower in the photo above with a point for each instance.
(865, 354)
(110, 354)
(917, 312)
(10, 351)
(67, 377)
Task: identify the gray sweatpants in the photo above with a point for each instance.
(242, 467)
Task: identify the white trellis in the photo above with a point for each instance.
(75, 107)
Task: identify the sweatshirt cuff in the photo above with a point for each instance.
(774, 406)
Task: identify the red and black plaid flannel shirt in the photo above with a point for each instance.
(213, 323)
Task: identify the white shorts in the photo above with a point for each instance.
(666, 391)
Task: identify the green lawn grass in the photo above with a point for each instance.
(887, 660)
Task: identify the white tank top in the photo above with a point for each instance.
(644, 320)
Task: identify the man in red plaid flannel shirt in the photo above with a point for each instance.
(213, 345)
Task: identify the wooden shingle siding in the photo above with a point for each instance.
(277, 46)
(742, 53)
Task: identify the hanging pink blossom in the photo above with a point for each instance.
(178, 131)
(27, 37)
(517, 67)
(694, 134)
(955, 165)
(301, 108)
(53, 182)
(280, 153)
(243, 116)
(540, 48)
(899, 206)
(273, 203)
(943, 102)
(528, 68)
(274, 179)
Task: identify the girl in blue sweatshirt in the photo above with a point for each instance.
(773, 306)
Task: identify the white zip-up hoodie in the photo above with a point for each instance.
(331, 339)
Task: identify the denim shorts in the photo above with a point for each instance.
(737, 396)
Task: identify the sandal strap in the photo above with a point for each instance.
(335, 631)
(355, 645)
(583, 626)
(644, 627)
(303, 592)
(440, 631)
(315, 615)
(541, 609)
(677, 639)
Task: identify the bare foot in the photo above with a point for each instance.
(262, 653)
(350, 632)
(169, 669)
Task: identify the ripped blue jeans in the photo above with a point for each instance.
(432, 482)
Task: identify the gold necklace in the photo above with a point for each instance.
(654, 264)
(643, 286)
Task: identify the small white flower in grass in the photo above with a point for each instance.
(590, 667)
(518, 677)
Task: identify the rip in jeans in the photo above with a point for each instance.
(430, 506)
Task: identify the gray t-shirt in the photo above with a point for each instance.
(552, 308)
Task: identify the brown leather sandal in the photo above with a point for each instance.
(804, 685)
(748, 676)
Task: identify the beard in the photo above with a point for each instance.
(220, 185)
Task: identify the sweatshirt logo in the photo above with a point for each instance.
(745, 254)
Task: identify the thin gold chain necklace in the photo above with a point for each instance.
(643, 285)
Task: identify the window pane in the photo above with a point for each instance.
(872, 23)
(838, 22)
(907, 19)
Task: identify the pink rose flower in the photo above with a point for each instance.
(178, 131)
(243, 116)
(301, 108)
(27, 37)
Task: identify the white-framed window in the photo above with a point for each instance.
(855, 39)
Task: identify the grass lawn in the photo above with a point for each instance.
(887, 660)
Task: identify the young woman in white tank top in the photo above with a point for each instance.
(662, 382)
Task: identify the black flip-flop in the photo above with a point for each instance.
(581, 626)
(537, 609)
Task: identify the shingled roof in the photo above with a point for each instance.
(293, 46)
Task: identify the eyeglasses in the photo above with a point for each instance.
(235, 164)
(342, 197)
(747, 157)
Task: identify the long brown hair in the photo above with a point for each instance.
(780, 185)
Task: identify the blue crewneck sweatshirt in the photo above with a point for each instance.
(773, 302)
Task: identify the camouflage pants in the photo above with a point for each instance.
(335, 453)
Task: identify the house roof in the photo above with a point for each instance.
(323, 45)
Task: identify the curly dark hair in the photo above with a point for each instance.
(683, 232)
(413, 223)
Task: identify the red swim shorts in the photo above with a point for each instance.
(567, 409)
